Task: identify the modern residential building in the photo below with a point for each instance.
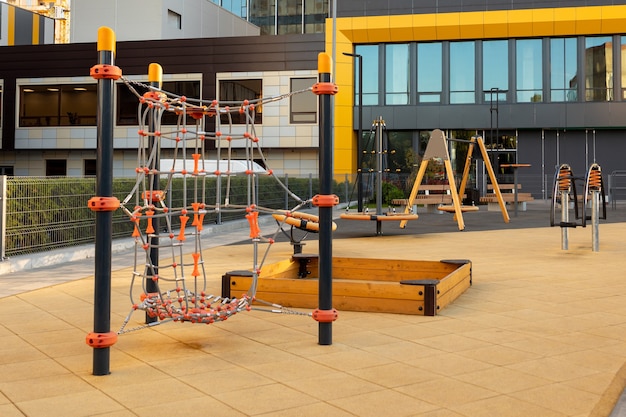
(542, 82)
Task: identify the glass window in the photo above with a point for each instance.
(58, 105)
(397, 70)
(315, 14)
(235, 92)
(563, 69)
(462, 72)
(369, 55)
(56, 167)
(599, 68)
(528, 65)
(623, 47)
(262, 13)
(429, 72)
(90, 167)
(495, 70)
(0, 104)
(303, 107)
(289, 17)
(127, 102)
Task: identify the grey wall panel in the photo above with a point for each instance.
(23, 27)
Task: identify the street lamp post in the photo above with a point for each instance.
(359, 176)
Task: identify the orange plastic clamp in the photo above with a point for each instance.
(103, 203)
(325, 316)
(101, 340)
(106, 72)
(152, 196)
(329, 200)
(325, 88)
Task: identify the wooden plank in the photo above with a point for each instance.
(452, 294)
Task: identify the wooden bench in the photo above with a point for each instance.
(430, 196)
(508, 195)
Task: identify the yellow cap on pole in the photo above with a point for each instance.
(155, 73)
(106, 39)
(324, 63)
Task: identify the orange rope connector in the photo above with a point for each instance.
(101, 340)
(329, 200)
(153, 196)
(183, 222)
(253, 219)
(325, 88)
(105, 72)
(198, 218)
(196, 258)
(595, 179)
(149, 227)
(325, 316)
(135, 220)
(196, 160)
(103, 203)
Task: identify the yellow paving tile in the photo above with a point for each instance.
(74, 404)
(264, 399)
(380, 403)
(559, 398)
(447, 392)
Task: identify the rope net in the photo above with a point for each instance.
(166, 283)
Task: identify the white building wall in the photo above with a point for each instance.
(148, 20)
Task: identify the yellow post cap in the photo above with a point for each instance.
(155, 73)
(106, 39)
(324, 63)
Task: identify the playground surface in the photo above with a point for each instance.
(541, 332)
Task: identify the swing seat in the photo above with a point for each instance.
(450, 209)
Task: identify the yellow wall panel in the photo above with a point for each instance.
(401, 34)
(11, 27)
(564, 21)
(496, 24)
(379, 35)
(614, 19)
(520, 23)
(35, 39)
(424, 27)
(543, 22)
(471, 25)
(588, 20)
(447, 25)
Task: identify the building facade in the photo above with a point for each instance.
(542, 82)
(23, 27)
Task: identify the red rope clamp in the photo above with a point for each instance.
(105, 72)
(325, 88)
(329, 200)
(103, 203)
(101, 340)
(325, 316)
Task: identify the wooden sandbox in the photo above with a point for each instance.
(359, 284)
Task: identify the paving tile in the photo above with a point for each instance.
(559, 398)
(309, 410)
(75, 404)
(264, 399)
(380, 403)
(447, 392)
(505, 406)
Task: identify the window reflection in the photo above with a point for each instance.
(462, 72)
(599, 68)
(397, 74)
(58, 105)
(369, 54)
(429, 72)
(495, 69)
(563, 77)
(528, 67)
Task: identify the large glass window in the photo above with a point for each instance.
(303, 105)
(0, 104)
(397, 70)
(495, 70)
(429, 72)
(462, 72)
(599, 68)
(563, 70)
(236, 91)
(127, 102)
(369, 55)
(262, 14)
(528, 66)
(58, 105)
(623, 60)
(289, 17)
(315, 14)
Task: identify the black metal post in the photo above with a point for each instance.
(155, 76)
(325, 210)
(102, 338)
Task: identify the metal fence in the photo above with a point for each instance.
(43, 213)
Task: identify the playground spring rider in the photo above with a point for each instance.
(565, 194)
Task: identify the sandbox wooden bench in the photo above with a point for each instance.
(508, 195)
(430, 196)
